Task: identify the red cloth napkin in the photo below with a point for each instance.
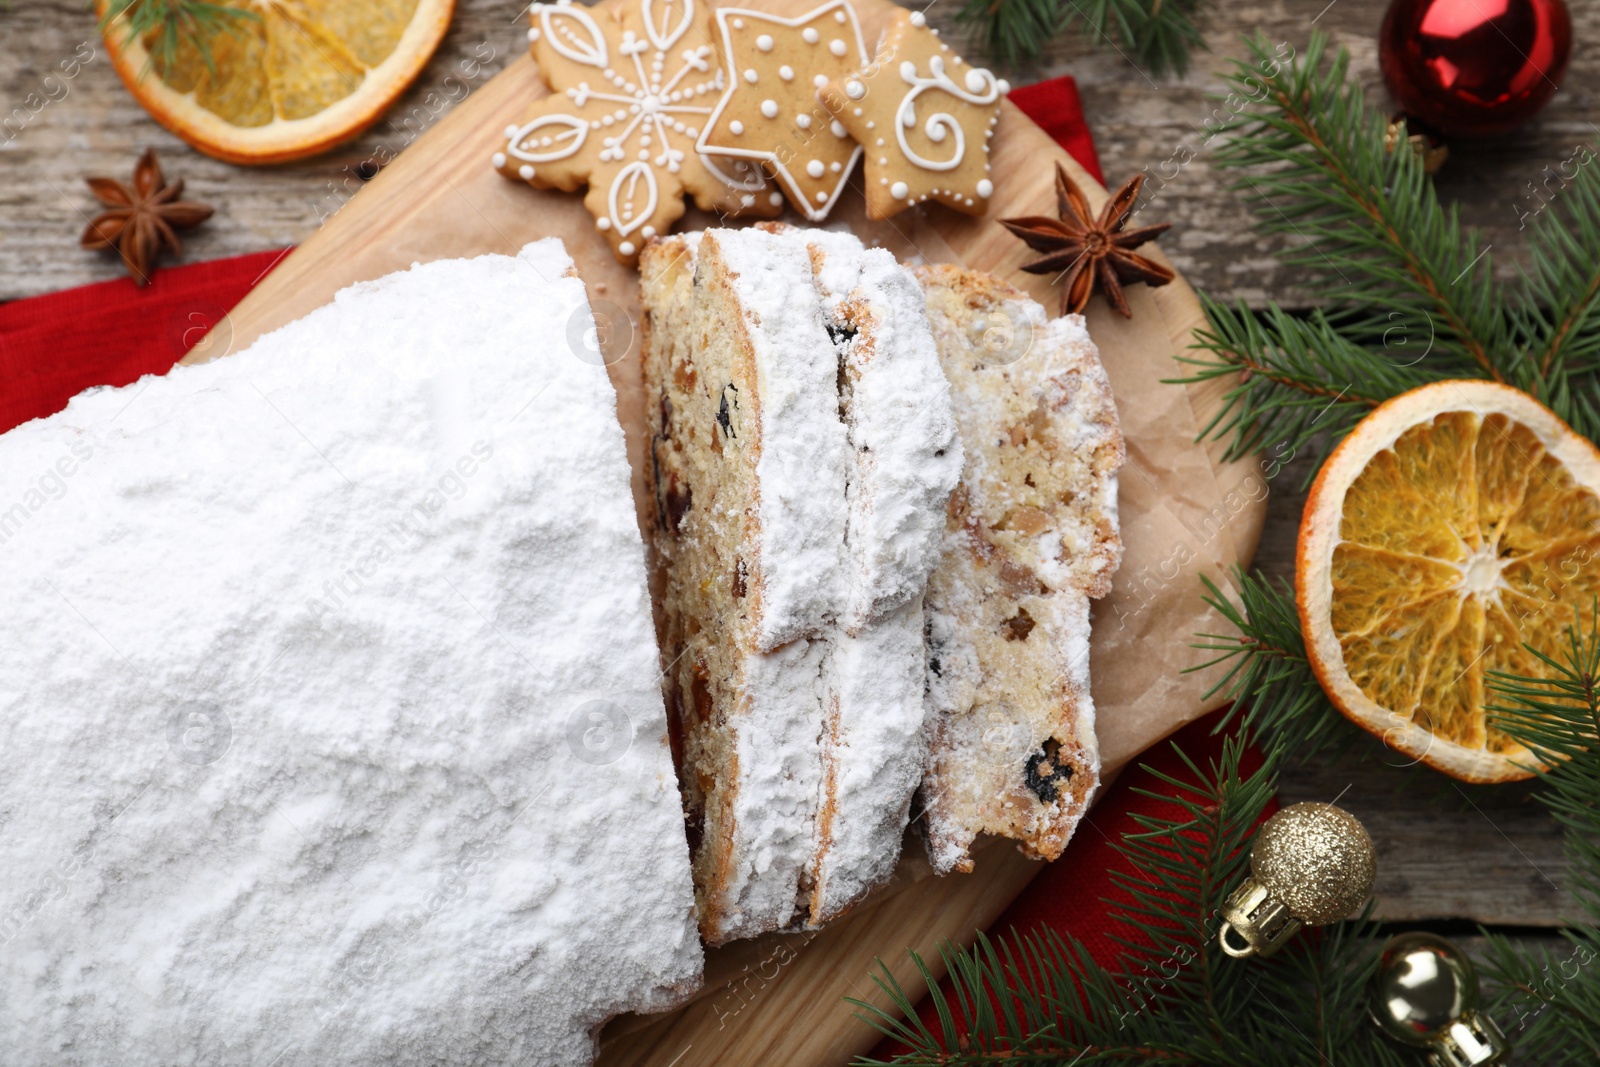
(53, 347)
(1055, 107)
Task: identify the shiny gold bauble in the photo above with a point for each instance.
(1425, 994)
(1317, 859)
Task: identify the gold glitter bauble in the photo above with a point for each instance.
(1317, 859)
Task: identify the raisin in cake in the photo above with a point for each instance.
(796, 513)
(1032, 536)
(332, 729)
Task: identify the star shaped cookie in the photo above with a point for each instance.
(770, 111)
(634, 81)
(925, 117)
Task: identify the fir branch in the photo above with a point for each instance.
(167, 26)
(1558, 317)
(1370, 222)
(1413, 298)
(1159, 34)
(1558, 718)
(1268, 676)
(1295, 381)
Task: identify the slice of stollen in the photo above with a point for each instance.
(743, 526)
(1031, 538)
(906, 460)
(797, 761)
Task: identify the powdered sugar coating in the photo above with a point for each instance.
(332, 729)
(800, 574)
(873, 756)
(780, 775)
(906, 453)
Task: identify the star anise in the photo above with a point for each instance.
(141, 220)
(1082, 248)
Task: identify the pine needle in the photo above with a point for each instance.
(165, 26)
(1156, 35)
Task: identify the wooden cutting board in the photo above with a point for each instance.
(777, 1001)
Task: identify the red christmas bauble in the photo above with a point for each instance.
(1474, 68)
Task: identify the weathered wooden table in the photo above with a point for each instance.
(1450, 856)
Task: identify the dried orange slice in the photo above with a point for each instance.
(299, 78)
(1456, 523)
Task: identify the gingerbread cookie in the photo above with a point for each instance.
(944, 157)
(770, 111)
(634, 81)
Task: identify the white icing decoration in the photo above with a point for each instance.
(533, 34)
(525, 172)
(898, 190)
(769, 108)
(838, 129)
(626, 248)
(573, 132)
(838, 47)
(786, 72)
(736, 127)
(982, 89)
(648, 100)
(764, 42)
(854, 89)
(716, 137)
(602, 223)
(626, 184)
(665, 35)
(498, 159)
(918, 19)
(774, 198)
(803, 121)
(815, 168)
(985, 188)
(584, 44)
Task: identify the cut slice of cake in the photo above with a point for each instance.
(1031, 537)
(726, 317)
(797, 760)
(330, 720)
(895, 403)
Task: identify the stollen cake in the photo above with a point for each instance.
(802, 452)
(1031, 537)
(332, 727)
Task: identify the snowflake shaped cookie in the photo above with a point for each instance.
(770, 111)
(925, 117)
(635, 81)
